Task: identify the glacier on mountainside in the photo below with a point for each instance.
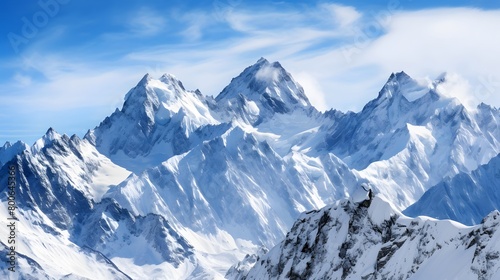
(404, 147)
(178, 185)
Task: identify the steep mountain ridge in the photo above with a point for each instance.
(252, 193)
(115, 232)
(62, 176)
(371, 240)
(396, 142)
(155, 123)
(465, 198)
(261, 90)
(61, 181)
(8, 151)
(214, 179)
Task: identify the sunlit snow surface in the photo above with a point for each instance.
(349, 240)
(178, 185)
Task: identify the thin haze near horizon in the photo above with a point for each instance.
(68, 64)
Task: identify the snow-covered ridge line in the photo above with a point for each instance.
(466, 197)
(214, 179)
(371, 240)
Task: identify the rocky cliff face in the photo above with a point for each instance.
(181, 185)
(371, 240)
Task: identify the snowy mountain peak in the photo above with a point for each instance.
(262, 60)
(352, 241)
(158, 99)
(16, 145)
(168, 78)
(149, 88)
(46, 139)
(147, 77)
(267, 84)
(399, 76)
(400, 85)
(51, 134)
(7, 145)
(9, 151)
(155, 121)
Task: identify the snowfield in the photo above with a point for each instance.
(372, 240)
(180, 185)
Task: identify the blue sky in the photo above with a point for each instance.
(67, 64)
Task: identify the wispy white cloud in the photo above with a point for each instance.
(65, 84)
(311, 44)
(423, 43)
(146, 22)
(194, 25)
(459, 40)
(456, 86)
(140, 23)
(342, 15)
(315, 92)
(22, 80)
(50, 66)
(276, 35)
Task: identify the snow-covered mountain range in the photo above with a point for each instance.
(177, 184)
(374, 241)
(466, 197)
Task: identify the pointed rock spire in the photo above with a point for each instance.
(51, 134)
(267, 84)
(395, 83)
(170, 79)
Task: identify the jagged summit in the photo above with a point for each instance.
(155, 121)
(402, 95)
(51, 133)
(399, 76)
(8, 151)
(45, 140)
(170, 79)
(262, 60)
(207, 181)
(267, 84)
(401, 85)
(150, 91)
(167, 78)
(156, 101)
(145, 79)
(350, 241)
